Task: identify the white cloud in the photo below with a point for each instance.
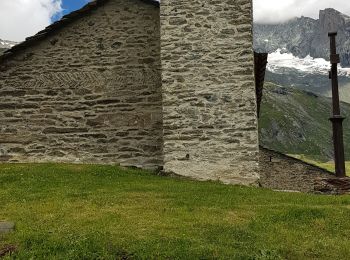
(273, 11)
(23, 18)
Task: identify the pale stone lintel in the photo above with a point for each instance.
(218, 171)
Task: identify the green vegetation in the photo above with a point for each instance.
(326, 165)
(330, 166)
(313, 82)
(296, 122)
(89, 212)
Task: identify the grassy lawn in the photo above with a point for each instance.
(104, 212)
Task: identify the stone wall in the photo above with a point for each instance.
(90, 92)
(281, 172)
(209, 113)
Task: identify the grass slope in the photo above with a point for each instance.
(326, 165)
(296, 122)
(104, 212)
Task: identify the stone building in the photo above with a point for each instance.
(130, 83)
(133, 83)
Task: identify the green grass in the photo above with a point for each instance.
(326, 165)
(330, 166)
(104, 212)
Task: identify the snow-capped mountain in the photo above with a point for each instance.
(4, 45)
(299, 52)
(310, 74)
(306, 36)
(280, 60)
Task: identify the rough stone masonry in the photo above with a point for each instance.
(209, 103)
(90, 91)
(127, 82)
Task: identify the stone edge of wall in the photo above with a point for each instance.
(322, 181)
(325, 171)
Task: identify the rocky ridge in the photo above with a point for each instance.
(305, 36)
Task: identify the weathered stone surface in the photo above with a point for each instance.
(6, 227)
(209, 108)
(96, 91)
(91, 92)
(281, 172)
(332, 185)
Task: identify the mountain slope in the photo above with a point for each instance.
(317, 83)
(306, 36)
(296, 122)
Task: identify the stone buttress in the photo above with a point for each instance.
(209, 108)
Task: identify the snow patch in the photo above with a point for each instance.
(280, 59)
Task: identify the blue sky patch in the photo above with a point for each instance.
(69, 6)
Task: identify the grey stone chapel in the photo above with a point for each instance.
(138, 83)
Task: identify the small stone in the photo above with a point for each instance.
(6, 227)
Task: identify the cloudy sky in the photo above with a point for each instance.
(272, 11)
(23, 18)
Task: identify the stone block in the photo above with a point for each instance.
(6, 227)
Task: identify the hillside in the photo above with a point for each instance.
(317, 83)
(64, 211)
(296, 122)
